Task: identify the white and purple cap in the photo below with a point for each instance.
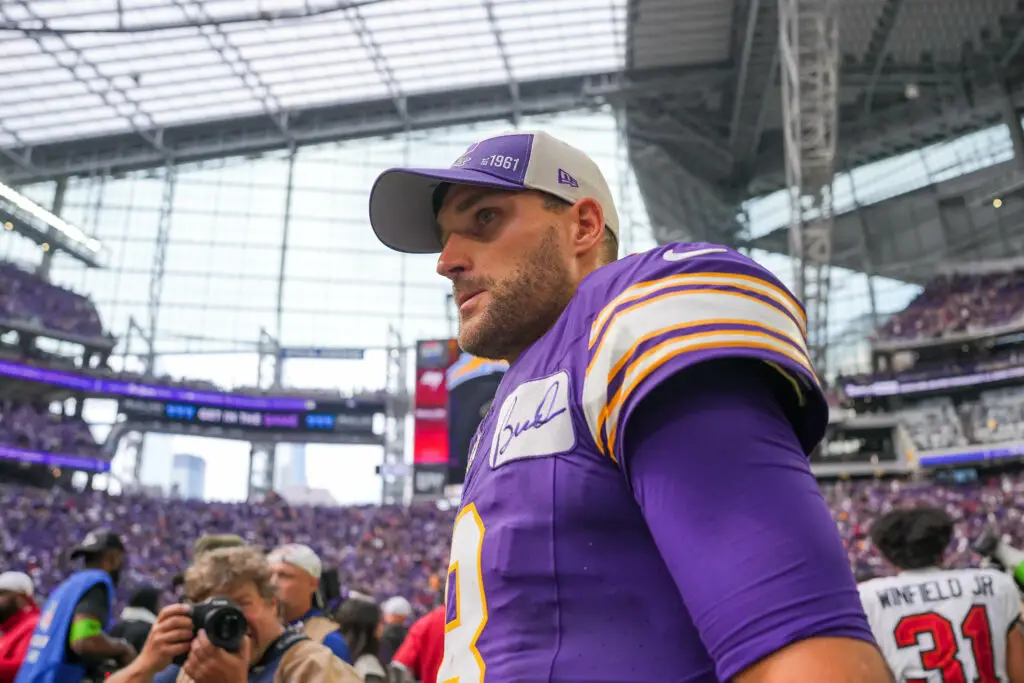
(402, 207)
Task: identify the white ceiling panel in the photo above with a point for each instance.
(78, 68)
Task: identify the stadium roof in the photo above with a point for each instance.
(109, 86)
(912, 73)
(929, 229)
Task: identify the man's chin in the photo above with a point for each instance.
(471, 341)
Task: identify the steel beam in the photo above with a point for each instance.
(754, 84)
(753, 12)
(238, 64)
(149, 132)
(513, 84)
(809, 64)
(263, 453)
(395, 480)
(194, 142)
(156, 277)
(878, 48)
(261, 471)
(285, 229)
(380, 62)
(22, 159)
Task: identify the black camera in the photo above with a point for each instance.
(223, 621)
(986, 545)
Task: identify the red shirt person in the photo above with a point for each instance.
(423, 648)
(19, 615)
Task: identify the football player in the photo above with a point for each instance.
(638, 503)
(935, 624)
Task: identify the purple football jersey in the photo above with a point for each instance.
(554, 574)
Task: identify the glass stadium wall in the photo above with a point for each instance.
(851, 319)
(228, 243)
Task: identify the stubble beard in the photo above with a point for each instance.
(523, 307)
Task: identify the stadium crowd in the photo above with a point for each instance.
(28, 299)
(996, 416)
(959, 303)
(997, 502)
(392, 551)
(34, 427)
(385, 551)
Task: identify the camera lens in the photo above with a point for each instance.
(228, 628)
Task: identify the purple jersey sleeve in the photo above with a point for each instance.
(727, 492)
(672, 308)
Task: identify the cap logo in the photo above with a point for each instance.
(565, 179)
(465, 158)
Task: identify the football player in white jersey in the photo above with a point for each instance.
(941, 625)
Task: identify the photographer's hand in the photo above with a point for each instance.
(207, 663)
(170, 636)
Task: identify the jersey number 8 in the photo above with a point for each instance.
(465, 602)
(943, 655)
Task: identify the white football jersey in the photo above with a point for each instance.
(943, 626)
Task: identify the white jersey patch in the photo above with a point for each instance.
(943, 625)
(534, 421)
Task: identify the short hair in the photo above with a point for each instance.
(216, 571)
(205, 544)
(146, 597)
(609, 242)
(913, 538)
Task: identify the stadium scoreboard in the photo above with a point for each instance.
(325, 418)
(216, 413)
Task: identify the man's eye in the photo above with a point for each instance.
(485, 216)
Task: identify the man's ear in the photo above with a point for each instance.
(589, 225)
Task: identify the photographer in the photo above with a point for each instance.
(267, 653)
(69, 641)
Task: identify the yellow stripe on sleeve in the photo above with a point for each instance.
(672, 348)
(746, 282)
(682, 316)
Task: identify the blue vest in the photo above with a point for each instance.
(46, 659)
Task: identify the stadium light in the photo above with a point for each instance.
(56, 222)
(997, 202)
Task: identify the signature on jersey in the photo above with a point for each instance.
(544, 412)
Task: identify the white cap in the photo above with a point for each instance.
(298, 555)
(17, 582)
(397, 606)
(403, 206)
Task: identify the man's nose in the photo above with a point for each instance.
(453, 259)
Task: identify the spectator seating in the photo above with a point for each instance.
(401, 551)
(959, 303)
(998, 416)
(934, 424)
(387, 550)
(32, 427)
(27, 298)
(855, 503)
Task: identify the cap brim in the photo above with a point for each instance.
(401, 204)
